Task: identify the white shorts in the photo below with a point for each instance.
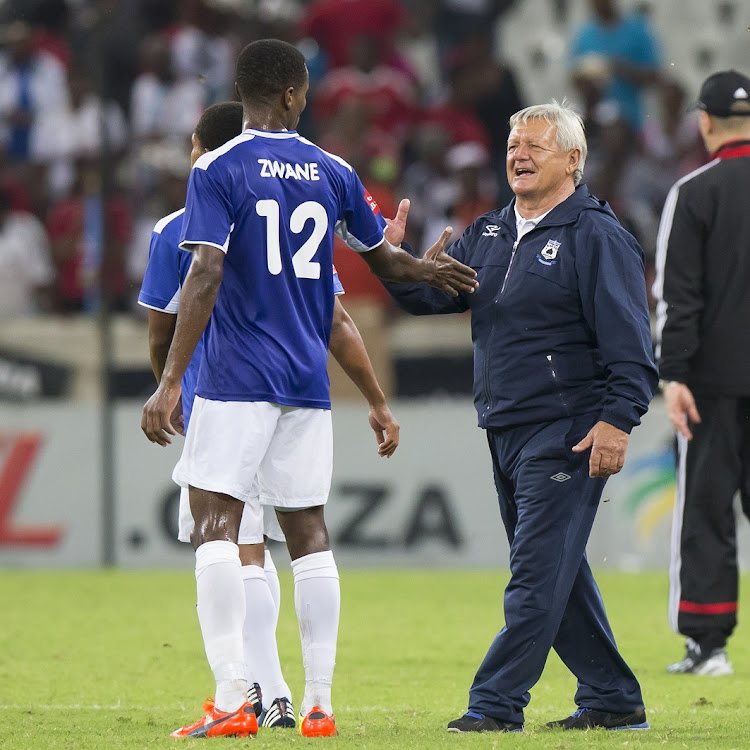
(253, 526)
(231, 443)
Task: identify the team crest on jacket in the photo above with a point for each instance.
(549, 253)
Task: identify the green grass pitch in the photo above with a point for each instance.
(106, 659)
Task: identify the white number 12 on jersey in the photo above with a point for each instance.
(302, 261)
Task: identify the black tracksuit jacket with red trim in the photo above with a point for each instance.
(703, 277)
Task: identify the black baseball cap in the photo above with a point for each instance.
(720, 93)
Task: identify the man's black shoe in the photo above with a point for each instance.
(588, 718)
(472, 721)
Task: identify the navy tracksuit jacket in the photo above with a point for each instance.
(561, 334)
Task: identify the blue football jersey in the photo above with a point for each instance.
(272, 202)
(167, 268)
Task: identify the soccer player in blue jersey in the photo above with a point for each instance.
(167, 268)
(259, 220)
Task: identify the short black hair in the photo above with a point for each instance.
(219, 124)
(269, 67)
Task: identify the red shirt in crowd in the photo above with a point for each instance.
(66, 233)
(387, 93)
(334, 23)
(462, 126)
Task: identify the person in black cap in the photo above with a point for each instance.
(703, 275)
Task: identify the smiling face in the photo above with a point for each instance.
(536, 167)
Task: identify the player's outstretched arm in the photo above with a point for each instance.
(437, 268)
(197, 302)
(348, 349)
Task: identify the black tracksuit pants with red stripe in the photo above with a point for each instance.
(711, 469)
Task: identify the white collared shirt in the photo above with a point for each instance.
(524, 226)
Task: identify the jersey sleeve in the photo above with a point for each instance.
(209, 213)
(362, 226)
(338, 287)
(161, 282)
(612, 292)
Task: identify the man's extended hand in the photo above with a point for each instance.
(681, 408)
(156, 421)
(386, 429)
(396, 229)
(608, 446)
(447, 273)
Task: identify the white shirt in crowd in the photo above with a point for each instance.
(165, 110)
(59, 136)
(48, 86)
(25, 263)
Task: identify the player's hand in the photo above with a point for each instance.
(156, 421)
(681, 408)
(178, 418)
(396, 229)
(446, 272)
(386, 429)
(608, 446)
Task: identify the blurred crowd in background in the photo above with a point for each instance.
(415, 94)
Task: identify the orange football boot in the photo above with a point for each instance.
(239, 723)
(318, 723)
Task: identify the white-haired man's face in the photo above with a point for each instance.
(535, 165)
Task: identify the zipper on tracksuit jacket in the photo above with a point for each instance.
(487, 393)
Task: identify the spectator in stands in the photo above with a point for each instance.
(461, 20)
(387, 92)
(29, 81)
(673, 140)
(458, 112)
(426, 180)
(626, 47)
(170, 175)
(202, 49)
(497, 98)
(351, 134)
(335, 24)
(87, 261)
(417, 45)
(64, 135)
(50, 19)
(161, 105)
(470, 192)
(26, 271)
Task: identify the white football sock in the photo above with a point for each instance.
(272, 576)
(259, 635)
(317, 599)
(221, 611)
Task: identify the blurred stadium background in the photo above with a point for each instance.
(98, 99)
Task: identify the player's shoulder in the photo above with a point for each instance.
(332, 160)
(170, 222)
(222, 153)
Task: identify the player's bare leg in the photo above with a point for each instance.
(317, 600)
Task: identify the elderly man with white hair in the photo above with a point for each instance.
(563, 370)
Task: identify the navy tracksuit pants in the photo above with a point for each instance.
(548, 504)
